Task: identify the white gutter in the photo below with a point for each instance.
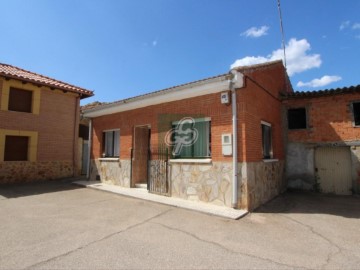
(89, 150)
(236, 82)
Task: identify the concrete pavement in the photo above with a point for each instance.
(60, 226)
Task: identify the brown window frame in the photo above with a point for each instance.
(297, 118)
(16, 148)
(20, 100)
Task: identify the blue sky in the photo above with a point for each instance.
(124, 48)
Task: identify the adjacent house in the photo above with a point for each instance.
(218, 140)
(39, 126)
(323, 140)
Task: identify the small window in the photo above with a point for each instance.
(199, 147)
(111, 143)
(356, 112)
(266, 140)
(20, 100)
(16, 148)
(297, 118)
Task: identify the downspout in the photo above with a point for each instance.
(89, 150)
(236, 82)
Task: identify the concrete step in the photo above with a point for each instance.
(142, 185)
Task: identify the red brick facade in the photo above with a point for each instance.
(330, 119)
(259, 101)
(204, 106)
(53, 125)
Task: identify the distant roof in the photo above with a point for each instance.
(12, 72)
(92, 105)
(326, 92)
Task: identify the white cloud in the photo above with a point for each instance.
(323, 81)
(356, 26)
(344, 25)
(297, 57)
(256, 32)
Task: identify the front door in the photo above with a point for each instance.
(140, 155)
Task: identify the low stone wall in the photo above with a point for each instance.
(261, 182)
(202, 182)
(111, 171)
(25, 171)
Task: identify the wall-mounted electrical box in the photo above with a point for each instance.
(226, 143)
(225, 98)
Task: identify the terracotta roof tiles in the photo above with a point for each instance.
(13, 72)
(326, 92)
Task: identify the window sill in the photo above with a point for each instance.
(109, 159)
(270, 160)
(185, 160)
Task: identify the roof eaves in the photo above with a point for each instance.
(57, 84)
(326, 92)
(160, 92)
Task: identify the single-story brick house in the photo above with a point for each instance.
(39, 125)
(323, 140)
(218, 140)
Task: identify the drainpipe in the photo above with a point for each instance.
(236, 82)
(89, 150)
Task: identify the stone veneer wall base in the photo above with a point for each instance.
(25, 171)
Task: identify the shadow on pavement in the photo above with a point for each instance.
(313, 203)
(29, 189)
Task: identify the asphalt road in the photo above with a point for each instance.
(57, 225)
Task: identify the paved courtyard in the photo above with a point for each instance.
(57, 225)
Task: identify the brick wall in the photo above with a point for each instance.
(55, 124)
(329, 119)
(203, 106)
(259, 101)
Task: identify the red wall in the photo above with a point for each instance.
(55, 124)
(329, 119)
(203, 106)
(259, 101)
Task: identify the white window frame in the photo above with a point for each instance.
(271, 143)
(115, 147)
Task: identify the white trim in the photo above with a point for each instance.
(265, 123)
(185, 160)
(178, 93)
(108, 159)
